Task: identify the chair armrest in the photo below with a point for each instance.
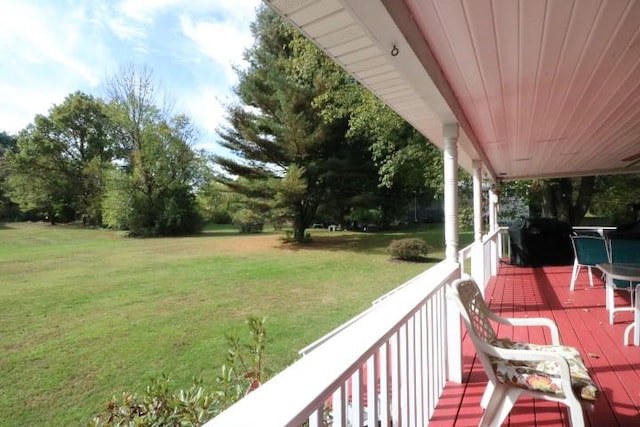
(531, 321)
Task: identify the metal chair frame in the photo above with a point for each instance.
(589, 251)
(624, 251)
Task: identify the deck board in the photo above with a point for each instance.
(582, 319)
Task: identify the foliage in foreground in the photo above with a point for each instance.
(242, 373)
(411, 249)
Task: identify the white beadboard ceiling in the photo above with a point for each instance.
(540, 88)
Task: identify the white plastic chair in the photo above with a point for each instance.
(551, 372)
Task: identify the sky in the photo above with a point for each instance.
(52, 48)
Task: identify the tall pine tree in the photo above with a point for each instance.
(291, 159)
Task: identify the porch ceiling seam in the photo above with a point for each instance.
(399, 12)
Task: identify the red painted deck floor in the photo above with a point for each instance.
(583, 322)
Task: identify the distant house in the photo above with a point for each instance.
(512, 208)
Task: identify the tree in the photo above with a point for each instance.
(571, 199)
(57, 167)
(216, 202)
(152, 192)
(286, 151)
(410, 167)
(8, 209)
(567, 199)
(617, 197)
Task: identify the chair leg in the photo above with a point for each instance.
(488, 391)
(495, 401)
(574, 274)
(610, 303)
(502, 400)
(590, 276)
(576, 414)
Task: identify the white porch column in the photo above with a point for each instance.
(450, 132)
(493, 226)
(453, 327)
(477, 200)
(493, 209)
(477, 258)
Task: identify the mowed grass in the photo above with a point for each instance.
(88, 314)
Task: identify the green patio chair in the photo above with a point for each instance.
(623, 251)
(589, 251)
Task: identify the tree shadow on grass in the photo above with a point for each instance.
(418, 260)
(5, 226)
(367, 242)
(359, 242)
(356, 242)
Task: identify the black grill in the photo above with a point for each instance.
(540, 241)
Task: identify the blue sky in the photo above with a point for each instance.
(49, 49)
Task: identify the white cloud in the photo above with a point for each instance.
(144, 10)
(124, 29)
(205, 106)
(19, 105)
(46, 53)
(221, 41)
(51, 49)
(37, 34)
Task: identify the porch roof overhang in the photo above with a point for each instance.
(540, 89)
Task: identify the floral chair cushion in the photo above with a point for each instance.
(544, 376)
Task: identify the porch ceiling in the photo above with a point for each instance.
(539, 88)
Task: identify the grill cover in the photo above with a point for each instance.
(629, 231)
(540, 241)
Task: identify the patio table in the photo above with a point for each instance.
(630, 272)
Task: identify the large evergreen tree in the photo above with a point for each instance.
(293, 161)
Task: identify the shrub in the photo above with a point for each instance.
(220, 217)
(248, 221)
(411, 249)
(243, 372)
(159, 406)
(465, 218)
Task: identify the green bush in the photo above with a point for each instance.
(220, 217)
(248, 221)
(465, 218)
(411, 249)
(243, 372)
(159, 406)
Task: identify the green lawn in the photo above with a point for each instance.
(86, 314)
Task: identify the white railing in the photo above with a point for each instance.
(485, 256)
(386, 366)
(306, 350)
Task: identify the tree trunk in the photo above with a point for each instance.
(299, 224)
(587, 185)
(564, 197)
(52, 215)
(557, 199)
(298, 233)
(548, 201)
